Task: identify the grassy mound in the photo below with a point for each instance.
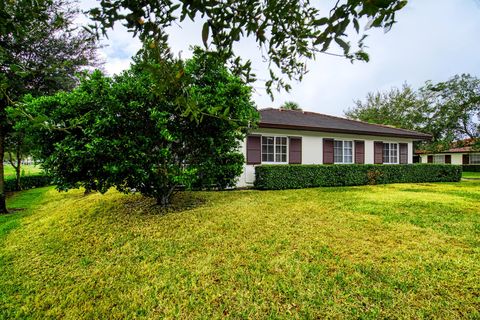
(408, 251)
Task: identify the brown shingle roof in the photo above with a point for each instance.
(311, 121)
(462, 146)
(452, 150)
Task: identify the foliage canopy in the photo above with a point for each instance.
(288, 32)
(41, 50)
(448, 110)
(290, 105)
(131, 131)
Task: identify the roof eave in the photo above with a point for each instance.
(368, 133)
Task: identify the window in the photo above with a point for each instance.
(390, 153)
(343, 151)
(475, 158)
(439, 158)
(274, 149)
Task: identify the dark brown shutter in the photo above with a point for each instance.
(448, 158)
(430, 159)
(403, 153)
(378, 152)
(327, 151)
(466, 159)
(295, 150)
(254, 146)
(359, 152)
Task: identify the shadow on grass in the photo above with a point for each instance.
(181, 201)
(19, 204)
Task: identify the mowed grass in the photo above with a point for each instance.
(392, 251)
(471, 175)
(25, 170)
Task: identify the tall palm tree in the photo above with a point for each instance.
(290, 105)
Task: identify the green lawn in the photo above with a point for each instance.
(25, 170)
(394, 251)
(471, 175)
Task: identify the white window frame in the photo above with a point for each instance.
(474, 155)
(274, 149)
(343, 151)
(390, 153)
(439, 158)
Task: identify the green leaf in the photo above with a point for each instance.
(356, 25)
(361, 55)
(345, 46)
(205, 31)
(321, 22)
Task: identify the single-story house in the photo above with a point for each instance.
(301, 137)
(461, 152)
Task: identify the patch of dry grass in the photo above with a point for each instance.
(394, 251)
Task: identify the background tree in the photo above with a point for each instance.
(447, 110)
(398, 107)
(288, 32)
(40, 52)
(453, 107)
(216, 139)
(17, 148)
(290, 105)
(131, 131)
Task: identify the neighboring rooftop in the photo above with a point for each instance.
(462, 146)
(311, 121)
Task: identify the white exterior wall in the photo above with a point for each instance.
(312, 148)
(456, 157)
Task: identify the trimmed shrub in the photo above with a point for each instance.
(27, 182)
(275, 177)
(471, 167)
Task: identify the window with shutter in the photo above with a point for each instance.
(328, 151)
(295, 150)
(253, 150)
(403, 153)
(390, 153)
(274, 149)
(474, 158)
(359, 152)
(342, 151)
(378, 152)
(439, 158)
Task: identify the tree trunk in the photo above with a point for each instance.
(164, 199)
(17, 168)
(18, 186)
(3, 204)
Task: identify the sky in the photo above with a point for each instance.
(432, 40)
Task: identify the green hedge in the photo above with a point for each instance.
(471, 167)
(274, 177)
(27, 182)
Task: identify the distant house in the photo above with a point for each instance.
(301, 137)
(461, 152)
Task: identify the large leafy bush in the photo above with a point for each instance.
(137, 131)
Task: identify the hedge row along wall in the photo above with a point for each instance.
(275, 177)
(27, 182)
(471, 167)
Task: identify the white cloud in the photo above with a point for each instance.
(433, 40)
